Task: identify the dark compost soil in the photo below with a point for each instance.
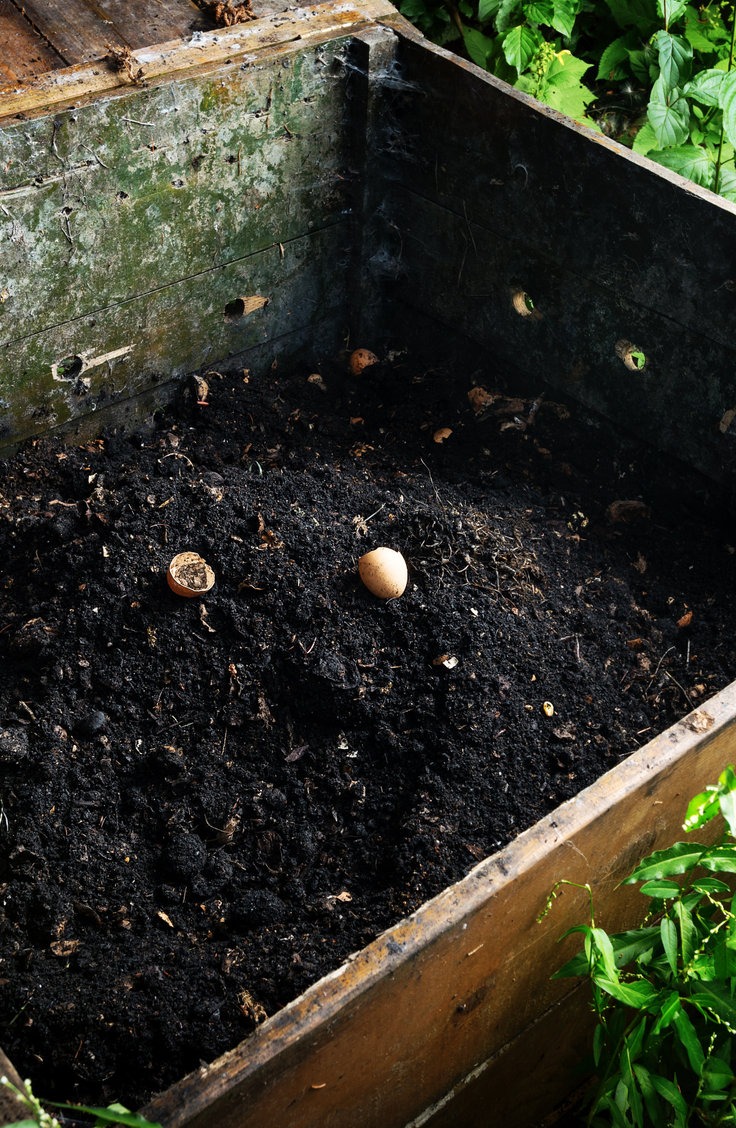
(209, 803)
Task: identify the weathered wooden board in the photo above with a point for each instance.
(143, 22)
(426, 1021)
(92, 364)
(508, 196)
(316, 23)
(122, 194)
(24, 52)
(73, 28)
(106, 208)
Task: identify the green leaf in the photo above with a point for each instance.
(718, 1000)
(674, 56)
(687, 930)
(520, 46)
(728, 105)
(688, 1038)
(676, 859)
(487, 10)
(704, 88)
(23, 1124)
(660, 890)
(645, 140)
(717, 1075)
(509, 11)
(669, 1091)
(670, 10)
(609, 67)
(563, 19)
(690, 161)
(668, 1012)
(727, 185)
(641, 14)
(668, 931)
(540, 12)
(710, 885)
(639, 995)
(704, 35)
(480, 47)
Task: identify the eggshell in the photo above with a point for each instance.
(189, 575)
(361, 359)
(384, 572)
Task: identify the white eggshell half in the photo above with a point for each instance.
(384, 572)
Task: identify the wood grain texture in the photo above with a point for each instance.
(141, 23)
(317, 23)
(72, 28)
(24, 52)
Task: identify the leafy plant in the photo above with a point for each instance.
(664, 994)
(38, 1117)
(657, 75)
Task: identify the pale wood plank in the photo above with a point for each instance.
(72, 28)
(141, 23)
(24, 53)
(316, 23)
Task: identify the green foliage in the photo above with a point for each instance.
(656, 75)
(664, 994)
(38, 1117)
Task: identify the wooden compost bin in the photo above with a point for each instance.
(264, 192)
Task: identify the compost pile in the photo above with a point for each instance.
(208, 803)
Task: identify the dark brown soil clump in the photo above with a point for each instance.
(208, 803)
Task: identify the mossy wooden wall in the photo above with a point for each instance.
(131, 221)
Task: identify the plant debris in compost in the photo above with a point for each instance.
(207, 803)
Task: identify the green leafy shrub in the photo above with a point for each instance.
(656, 75)
(664, 994)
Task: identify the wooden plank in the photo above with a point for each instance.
(141, 23)
(317, 23)
(126, 194)
(72, 28)
(25, 53)
(150, 342)
(429, 1008)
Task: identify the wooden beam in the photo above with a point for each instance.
(25, 53)
(318, 23)
(72, 28)
(142, 23)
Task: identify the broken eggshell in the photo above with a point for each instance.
(189, 575)
(384, 572)
(360, 359)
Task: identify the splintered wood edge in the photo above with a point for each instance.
(403, 990)
(207, 48)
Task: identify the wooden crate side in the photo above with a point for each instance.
(88, 368)
(508, 196)
(437, 999)
(133, 227)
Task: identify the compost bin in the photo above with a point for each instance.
(264, 192)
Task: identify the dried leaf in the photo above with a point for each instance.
(685, 620)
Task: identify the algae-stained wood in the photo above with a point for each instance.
(90, 365)
(106, 206)
(508, 198)
(428, 1024)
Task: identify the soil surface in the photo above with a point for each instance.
(208, 803)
